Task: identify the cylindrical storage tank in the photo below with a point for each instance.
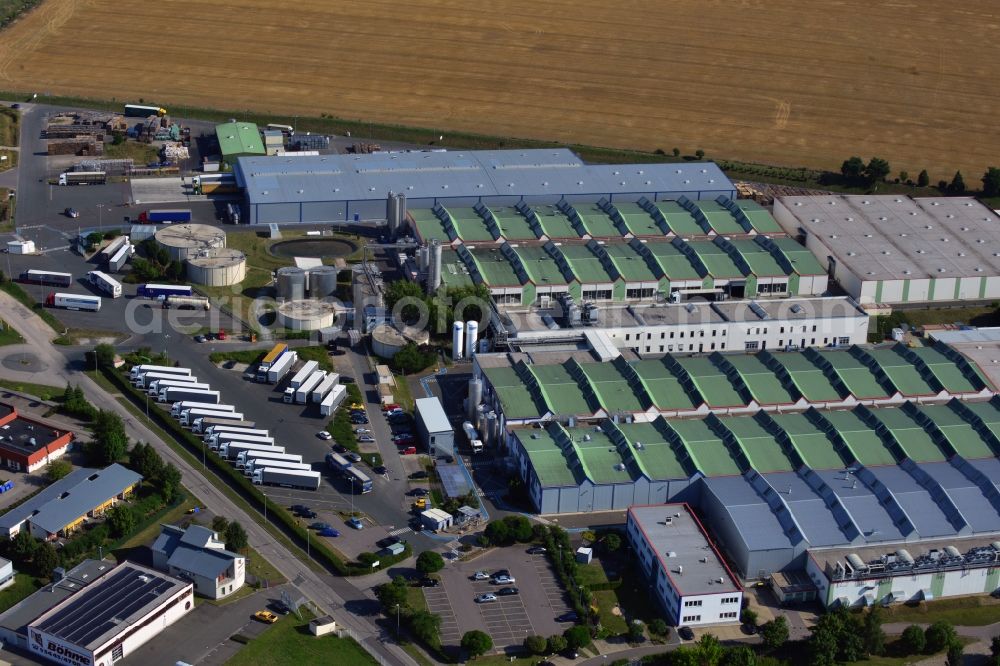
(491, 427)
(422, 253)
(457, 340)
(217, 268)
(471, 336)
(323, 281)
(479, 417)
(475, 396)
(182, 241)
(387, 341)
(434, 267)
(303, 315)
(291, 283)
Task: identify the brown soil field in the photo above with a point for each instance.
(779, 81)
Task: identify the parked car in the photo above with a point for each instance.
(408, 451)
(354, 457)
(686, 633)
(507, 591)
(319, 526)
(356, 523)
(391, 408)
(308, 513)
(200, 338)
(298, 508)
(324, 435)
(339, 448)
(356, 405)
(361, 431)
(358, 420)
(329, 532)
(485, 598)
(420, 492)
(571, 616)
(503, 580)
(480, 575)
(419, 475)
(265, 616)
(366, 438)
(537, 550)
(381, 469)
(72, 212)
(430, 582)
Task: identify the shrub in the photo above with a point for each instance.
(556, 644)
(912, 640)
(938, 636)
(577, 637)
(429, 562)
(477, 642)
(658, 627)
(536, 644)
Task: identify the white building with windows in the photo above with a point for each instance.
(198, 554)
(688, 576)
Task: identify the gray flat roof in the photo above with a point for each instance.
(432, 414)
(108, 606)
(19, 514)
(87, 494)
(453, 479)
(682, 542)
(23, 613)
(453, 174)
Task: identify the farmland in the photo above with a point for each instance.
(781, 82)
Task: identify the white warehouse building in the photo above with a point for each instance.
(895, 249)
(687, 575)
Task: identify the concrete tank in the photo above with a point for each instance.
(291, 283)
(306, 315)
(323, 281)
(471, 337)
(457, 340)
(182, 241)
(475, 396)
(217, 268)
(387, 340)
(423, 252)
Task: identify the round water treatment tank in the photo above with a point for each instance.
(291, 283)
(306, 315)
(323, 281)
(217, 268)
(182, 241)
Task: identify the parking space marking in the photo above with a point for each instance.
(507, 621)
(553, 590)
(438, 603)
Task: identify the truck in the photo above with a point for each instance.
(186, 302)
(324, 387)
(215, 183)
(333, 400)
(233, 213)
(260, 463)
(189, 416)
(246, 457)
(282, 367)
(277, 351)
(178, 393)
(360, 482)
(169, 369)
(158, 385)
(218, 439)
(161, 291)
(111, 248)
(231, 450)
(50, 278)
(143, 111)
(470, 431)
(83, 178)
(203, 422)
(302, 393)
(73, 302)
(219, 429)
(477, 445)
(178, 407)
(165, 216)
(120, 258)
(289, 478)
(337, 462)
(144, 380)
(303, 373)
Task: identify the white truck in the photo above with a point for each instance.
(217, 440)
(219, 429)
(188, 416)
(303, 391)
(231, 450)
(202, 422)
(470, 431)
(178, 393)
(289, 478)
(324, 387)
(178, 407)
(333, 400)
(143, 381)
(303, 373)
(477, 445)
(281, 367)
(138, 370)
(261, 463)
(158, 385)
(246, 457)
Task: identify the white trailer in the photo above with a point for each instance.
(74, 302)
(290, 478)
(189, 416)
(178, 407)
(199, 424)
(162, 384)
(281, 367)
(105, 283)
(333, 400)
(246, 457)
(302, 393)
(219, 429)
(470, 431)
(219, 440)
(178, 393)
(144, 381)
(303, 374)
(260, 463)
(120, 258)
(143, 369)
(324, 387)
(231, 450)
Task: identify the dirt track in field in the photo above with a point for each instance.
(781, 81)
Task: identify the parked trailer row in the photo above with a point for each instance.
(74, 302)
(158, 385)
(145, 380)
(189, 416)
(333, 400)
(176, 394)
(324, 388)
(178, 407)
(303, 373)
(219, 439)
(231, 450)
(270, 359)
(205, 422)
(302, 393)
(247, 457)
(288, 478)
(281, 367)
(142, 369)
(233, 428)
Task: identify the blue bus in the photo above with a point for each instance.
(162, 290)
(360, 482)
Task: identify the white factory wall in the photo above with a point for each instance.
(162, 618)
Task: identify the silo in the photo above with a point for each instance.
(358, 294)
(291, 283)
(457, 340)
(423, 252)
(323, 281)
(471, 334)
(492, 423)
(434, 267)
(475, 396)
(479, 417)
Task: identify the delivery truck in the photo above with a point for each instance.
(282, 367)
(220, 438)
(219, 429)
(83, 178)
(50, 278)
(158, 385)
(202, 423)
(270, 358)
(333, 400)
(178, 393)
(168, 369)
(146, 380)
(288, 478)
(324, 387)
(161, 291)
(165, 216)
(231, 450)
(105, 284)
(303, 374)
(178, 407)
(120, 258)
(74, 302)
(189, 416)
(302, 392)
(260, 463)
(246, 457)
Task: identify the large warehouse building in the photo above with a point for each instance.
(895, 249)
(340, 188)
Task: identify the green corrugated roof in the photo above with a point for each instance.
(429, 227)
(469, 226)
(496, 270)
(679, 219)
(548, 459)
(802, 260)
(586, 266)
(815, 448)
(761, 263)
(856, 375)
(960, 434)
(710, 382)
(561, 391)
(674, 263)
(903, 374)
(542, 269)
(989, 413)
(718, 263)
(628, 262)
(807, 378)
(638, 221)
(945, 370)
(554, 223)
(719, 218)
(596, 222)
(453, 270)
(763, 384)
(513, 225)
(914, 440)
(657, 458)
(599, 456)
(613, 390)
(863, 442)
(236, 139)
(517, 400)
(760, 219)
(664, 388)
(760, 446)
(707, 450)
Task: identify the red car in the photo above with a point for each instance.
(389, 408)
(408, 451)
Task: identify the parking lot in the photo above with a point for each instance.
(509, 619)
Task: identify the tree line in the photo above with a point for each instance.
(856, 173)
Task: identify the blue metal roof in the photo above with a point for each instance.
(967, 496)
(486, 173)
(759, 528)
(870, 516)
(811, 513)
(84, 496)
(927, 515)
(19, 514)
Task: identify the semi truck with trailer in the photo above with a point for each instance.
(186, 302)
(333, 400)
(303, 373)
(144, 380)
(158, 385)
(74, 302)
(219, 429)
(148, 382)
(477, 445)
(289, 478)
(324, 387)
(246, 457)
(178, 393)
(165, 216)
(260, 463)
(270, 358)
(231, 450)
(178, 407)
(302, 392)
(157, 291)
(189, 416)
(469, 430)
(203, 422)
(143, 111)
(142, 369)
(111, 248)
(282, 367)
(83, 178)
(50, 278)
(220, 438)
(337, 462)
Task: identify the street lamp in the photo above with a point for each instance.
(397, 622)
(100, 216)
(352, 496)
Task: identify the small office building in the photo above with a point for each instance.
(198, 555)
(27, 445)
(434, 428)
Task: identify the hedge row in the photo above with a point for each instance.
(610, 585)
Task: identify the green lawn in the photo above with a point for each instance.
(289, 643)
(401, 393)
(9, 118)
(146, 536)
(42, 391)
(141, 153)
(978, 316)
(415, 598)
(592, 574)
(8, 336)
(606, 601)
(262, 569)
(27, 301)
(23, 586)
(962, 611)
(11, 160)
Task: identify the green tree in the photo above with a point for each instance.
(957, 185)
(775, 632)
(699, 154)
(741, 655)
(105, 355)
(611, 542)
(658, 627)
(995, 647)
(636, 631)
(169, 482)
(556, 644)
(749, 616)
(58, 469)
(412, 359)
(686, 656)
(913, 640)
(122, 520)
(536, 644)
(45, 560)
(219, 524)
(110, 442)
(709, 650)
(991, 182)
(404, 289)
(236, 537)
(519, 528)
(144, 459)
(956, 653)
(577, 637)
(392, 593)
(923, 180)
(426, 626)
(24, 546)
(938, 636)
(429, 562)
(904, 176)
(877, 170)
(477, 642)
(497, 533)
(874, 636)
(852, 168)
(676, 152)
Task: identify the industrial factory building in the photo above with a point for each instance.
(895, 249)
(238, 140)
(339, 188)
(28, 444)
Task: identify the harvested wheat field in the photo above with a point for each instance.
(781, 81)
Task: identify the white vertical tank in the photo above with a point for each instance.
(479, 419)
(491, 427)
(475, 396)
(457, 340)
(471, 334)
